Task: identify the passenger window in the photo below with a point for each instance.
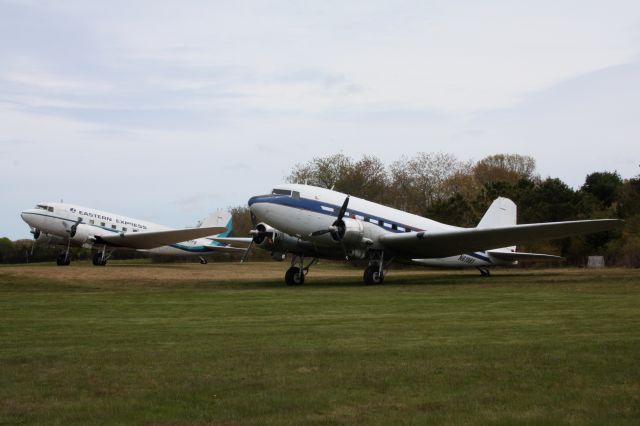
(124, 229)
(92, 222)
(380, 222)
(50, 209)
(135, 230)
(296, 195)
(113, 227)
(103, 224)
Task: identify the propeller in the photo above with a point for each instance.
(259, 235)
(337, 228)
(74, 228)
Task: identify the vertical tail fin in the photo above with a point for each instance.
(219, 217)
(502, 212)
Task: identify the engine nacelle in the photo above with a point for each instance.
(83, 234)
(351, 232)
(270, 239)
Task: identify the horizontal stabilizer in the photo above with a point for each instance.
(464, 240)
(511, 256)
(153, 239)
(241, 241)
(225, 249)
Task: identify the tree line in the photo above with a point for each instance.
(457, 192)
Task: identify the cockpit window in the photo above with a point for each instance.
(281, 192)
(41, 207)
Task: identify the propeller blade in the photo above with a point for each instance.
(74, 228)
(318, 233)
(246, 253)
(343, 209)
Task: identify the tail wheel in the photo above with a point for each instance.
(293, 276)
(372, 275)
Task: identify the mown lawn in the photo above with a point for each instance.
(532, 347)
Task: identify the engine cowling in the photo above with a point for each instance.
(270, 239)
(83, 234)
(350, 232)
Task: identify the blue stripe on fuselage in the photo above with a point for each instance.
(316, 207)
(480, 257)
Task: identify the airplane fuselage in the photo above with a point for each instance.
(300, 210)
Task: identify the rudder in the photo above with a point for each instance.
(502, 212)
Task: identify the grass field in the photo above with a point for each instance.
(230, 344)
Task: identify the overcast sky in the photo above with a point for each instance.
(167, 110)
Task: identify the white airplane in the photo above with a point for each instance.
(72, 225)
(308, 221)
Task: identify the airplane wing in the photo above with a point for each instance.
(518, 255)
(451, 242)
(149, 240)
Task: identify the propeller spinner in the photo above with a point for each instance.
(338, 227)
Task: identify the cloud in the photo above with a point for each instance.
(174, 102)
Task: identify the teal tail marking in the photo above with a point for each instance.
(226, 233)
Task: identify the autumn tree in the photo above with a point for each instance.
(424, 179)
(505, 168)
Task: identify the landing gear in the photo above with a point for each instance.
(98, 260)
(295, 274)
(203, 261)
(373, 274)
(485, 272)
(63, 259)
(100, 257)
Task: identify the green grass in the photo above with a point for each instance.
(541, 347)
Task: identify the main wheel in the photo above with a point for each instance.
(63, 259)
(293, 276)
(97, 259)
(372, 275)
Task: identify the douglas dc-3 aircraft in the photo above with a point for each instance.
(308, 221)
(71, 225)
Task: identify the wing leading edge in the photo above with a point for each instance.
(149, 240)
(451, 242)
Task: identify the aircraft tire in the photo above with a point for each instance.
(63, 260)
(371, 275)
(293, 276)
(97, 260)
